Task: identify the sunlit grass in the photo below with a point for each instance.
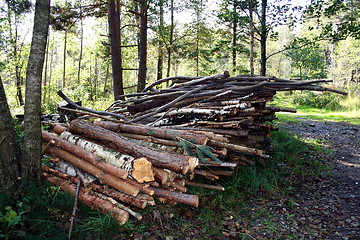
(349, 113)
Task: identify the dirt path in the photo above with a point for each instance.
(329, 207)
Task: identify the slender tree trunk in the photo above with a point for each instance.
(9, 148)
(234, 38)
(252, 33)
(64, 62)
(45, 81)
(263, 38)
(171, 38)
(116, 58)
(106, 81)
(81, 51)
(161, 43)
(142, 46)
(32, 125)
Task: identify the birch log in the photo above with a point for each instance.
(86, 155)
(176, 162)
(104, 177)
(140, 169)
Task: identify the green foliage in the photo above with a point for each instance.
(308, 59)
(200, 151)
(324, 100)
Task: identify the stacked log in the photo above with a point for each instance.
(155, 143)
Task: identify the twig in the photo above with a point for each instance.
(73, 215)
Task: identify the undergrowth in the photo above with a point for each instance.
(42, 211)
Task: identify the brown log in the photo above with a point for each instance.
(94, 202)
(247, 150)
(177, 187)
(58, 129)
(144, 188)
(206, 174)
(137, 215)
(176, 162)
(150, 139)
(161, 176)
(106, 178)
(104, 189)
(153, 131)
(207, 186)
(192, 200)
(85, 155)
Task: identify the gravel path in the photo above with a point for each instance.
(329, 207)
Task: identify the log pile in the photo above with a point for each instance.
(155, 143)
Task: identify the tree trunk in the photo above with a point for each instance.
(263, 38)
(171, 39)
(115, 41)
(142, 46)
(252, 33)
(234, 38)
(9, 147)
(81, 50)
(161, 43)
(64, 61)
(32, 122)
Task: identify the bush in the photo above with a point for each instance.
(324, 100)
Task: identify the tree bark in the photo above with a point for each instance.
(252, 37)
(263, 38)
(85, 155)
(32, 122)
(153, 131)
(160, 65)
(178, 163)
(234, 37)
(115, 42)
(192, 200)
(92, 201)
(106, 178)
(171, 39)
(9, 148)
(142, 45)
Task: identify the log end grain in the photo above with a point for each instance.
(142, 170)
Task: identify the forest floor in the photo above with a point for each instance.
(320, 204)
(322, 207)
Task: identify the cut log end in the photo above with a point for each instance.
(142, 170)
(193, 163)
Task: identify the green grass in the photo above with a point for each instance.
(349, 111)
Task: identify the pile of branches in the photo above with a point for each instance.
(155, 143)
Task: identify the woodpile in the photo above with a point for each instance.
(155, 143)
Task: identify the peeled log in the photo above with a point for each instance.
(176, 162)
(94, 202)
(106, 178)
(164, 133)
(87, 156)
